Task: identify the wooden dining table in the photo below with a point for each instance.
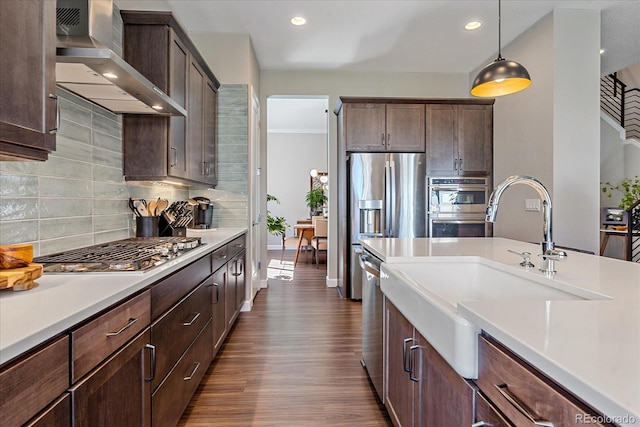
(303, 230)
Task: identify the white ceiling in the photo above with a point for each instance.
(394, 36)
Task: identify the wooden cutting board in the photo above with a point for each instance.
(20, 279)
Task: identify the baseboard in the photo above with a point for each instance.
(331, 283)
(264, 283)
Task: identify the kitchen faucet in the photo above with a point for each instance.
(549, 253)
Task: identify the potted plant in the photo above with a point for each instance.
(630, 189)
(276, 225)
(315, 200)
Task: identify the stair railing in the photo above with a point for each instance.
(633, 230)
(621, 104)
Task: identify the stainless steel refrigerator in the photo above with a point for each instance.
(387, 198)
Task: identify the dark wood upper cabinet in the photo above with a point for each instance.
(459, 140)
(170, 148)
(384, 127)
(28, 111)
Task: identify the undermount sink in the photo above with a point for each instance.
(428, 293)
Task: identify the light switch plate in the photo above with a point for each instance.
(532, 205)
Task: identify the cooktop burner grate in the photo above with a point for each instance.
(134, 254)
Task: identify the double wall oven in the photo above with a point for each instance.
(457, 207)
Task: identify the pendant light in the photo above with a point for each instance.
(501, 77)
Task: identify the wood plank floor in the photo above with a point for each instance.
(294, 360)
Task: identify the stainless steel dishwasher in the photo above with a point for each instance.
(372, 321)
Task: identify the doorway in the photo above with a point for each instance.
(297, 143)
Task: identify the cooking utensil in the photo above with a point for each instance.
(151, 207)
(141, 207)
(161, 205)
(133, 207)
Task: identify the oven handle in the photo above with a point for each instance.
(465, 187)
(457, 221)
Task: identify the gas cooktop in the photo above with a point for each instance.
(138, 254)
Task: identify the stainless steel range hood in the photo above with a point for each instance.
(88, 67)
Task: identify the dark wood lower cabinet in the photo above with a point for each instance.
(219, 327)
(117, 393)
(174, 394)
(422, 389)
(488, 415)
(58, 414)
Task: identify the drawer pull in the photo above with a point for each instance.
(411, 376)
(190, 322)
(481, 424)
(124, 328)
(195, 369)
(522, 407)
(153, 362)
(404, 353)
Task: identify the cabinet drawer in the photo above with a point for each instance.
(172, 397)
(95, 341)
(219, 258)
(30, 384)
(503, 376)
(58, 414)
(167, 292)
(173, 332)
(487, 413)
(236, 246)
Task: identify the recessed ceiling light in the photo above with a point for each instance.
(298, 20)
(602, 51)
(110, 75)
(156, 107)
(472, 25)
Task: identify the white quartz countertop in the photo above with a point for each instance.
(591, 347)
(60, 301)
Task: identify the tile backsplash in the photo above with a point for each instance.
(79, 196)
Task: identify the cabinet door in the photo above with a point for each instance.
(405, 127)
(441, 136)
(178, 62)
(195, 133)
(475, 140)
(218, 297)
(441, 394)
(116, 392)
(232, 286)
(364, 127)
(240, 279)
(27, 88)
(399, 396)
(210, 141)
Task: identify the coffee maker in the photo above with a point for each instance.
(202, 209)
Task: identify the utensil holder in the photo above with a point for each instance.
(147, 226)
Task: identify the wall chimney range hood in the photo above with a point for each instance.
(86, 65)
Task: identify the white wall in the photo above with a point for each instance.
(290, 158)
(343, 83)
(551, 130)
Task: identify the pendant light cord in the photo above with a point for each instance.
(500, 58)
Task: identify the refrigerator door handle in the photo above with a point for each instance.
(392, 203)
(387, 198)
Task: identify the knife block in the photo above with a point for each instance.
(167, 230)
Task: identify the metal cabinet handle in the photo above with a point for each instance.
(55, 129)
(522, 407)
(153, 361)
(174, 162)
(217, 293)
(382, 138)
(455, 164)
(190, 322)
(411, 376)
(193, 372)
(221, 257)
(121, 330)
(388, 139)
(481, 424)
(460, 165)
(404, 353)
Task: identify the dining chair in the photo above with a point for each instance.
(319, 239)
(292, 242)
